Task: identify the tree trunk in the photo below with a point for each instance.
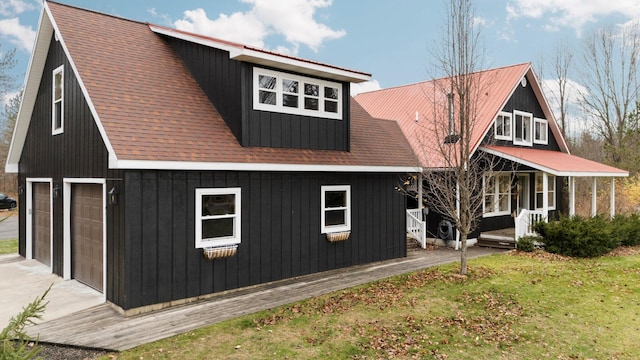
(463, 254)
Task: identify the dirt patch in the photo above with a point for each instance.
(58, 352)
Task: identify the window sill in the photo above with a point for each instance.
(494, 214)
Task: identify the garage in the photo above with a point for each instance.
(41, 223)
(87, 234)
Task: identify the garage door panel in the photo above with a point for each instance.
(41, 222)
(87, 234)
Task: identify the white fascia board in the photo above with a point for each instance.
(553, 171)
(218, 166)
(241, 53)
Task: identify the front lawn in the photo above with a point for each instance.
(8, 246)
(511, 306)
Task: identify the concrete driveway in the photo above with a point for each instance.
(8, 225)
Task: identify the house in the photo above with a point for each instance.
(158, 166)
(515, 126)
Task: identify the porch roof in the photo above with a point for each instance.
(555, 162)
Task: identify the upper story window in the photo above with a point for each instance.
(503, 126)
(217, 217)
(336, 209)
(497, 188)
(57, 108)
(523, 128)
(292, 94)
(541, 131)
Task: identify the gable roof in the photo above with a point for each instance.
(152, 114)
(416, 106)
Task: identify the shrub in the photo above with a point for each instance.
(527, 243)
(626, 229)
(14, 342)
(579, 237)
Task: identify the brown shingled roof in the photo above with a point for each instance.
(152, 109)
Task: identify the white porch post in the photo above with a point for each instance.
(545, 196)
(572, 196)
(612, 210)
(420, 204)
(594, 196)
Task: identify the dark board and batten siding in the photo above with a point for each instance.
(229, 86)
(280, 230)
(79, 152)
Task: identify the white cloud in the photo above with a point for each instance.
(371, 85)
(571, 13)
(292, 19)
(576, 122)
(17, 34)
(15, 7)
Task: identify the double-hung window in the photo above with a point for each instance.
(551, 191)
(336, 208)
(294, 94)
(218, 217)
(523, 128)
(541, 131)
(57, 105)
(497, 189)
(503, 126)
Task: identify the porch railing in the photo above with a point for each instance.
(417, 228)
(525, 221)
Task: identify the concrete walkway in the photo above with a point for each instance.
(101, 327)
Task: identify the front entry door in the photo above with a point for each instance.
(523, 192)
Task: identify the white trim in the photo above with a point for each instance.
(67, 182)
(242, 53)
(185, 165)
(57, 130)
(553, 171)
(29, 220)
(324, 229)
(524, 115)
(496, 194)
(544, 122)
(301, 80)
(495, 126)
(237, 217)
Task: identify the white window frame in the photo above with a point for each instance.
(326, 229)
(300, 110)
(237, 223)
(495, 210)
(545, 131)
(551, 191)
(529, 126)
(57, 130)
(506, 119)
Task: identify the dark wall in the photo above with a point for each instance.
(281, 235)
(78, 152)
(229, 86)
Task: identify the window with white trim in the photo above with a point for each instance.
(541, 131)
(503, 126)
(523, 124)
(551, 191)
(294, 94)
(336, 208)
(57, 104)
(497, 191)
(218, 217)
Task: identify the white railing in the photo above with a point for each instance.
(525, 221)
(417, 228)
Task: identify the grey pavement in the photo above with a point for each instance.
(8, 226)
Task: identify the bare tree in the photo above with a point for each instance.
(455, 178)
(560, 65)
(610, 74)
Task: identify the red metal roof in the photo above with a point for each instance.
(554, 162)
(152, 109)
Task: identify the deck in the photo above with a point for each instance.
(102, 327)
(499, 239)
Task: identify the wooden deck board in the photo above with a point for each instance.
(102, 327)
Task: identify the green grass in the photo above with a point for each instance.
(9, 246)
(511, 306)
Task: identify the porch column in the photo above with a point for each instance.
(572, 196)
(545, 195)
(594, 196)
(420, 204)
(612, 210)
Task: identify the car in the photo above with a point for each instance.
(7, 202)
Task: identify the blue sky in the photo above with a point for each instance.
(392, 40)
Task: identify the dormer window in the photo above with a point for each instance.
(503, 126)
(541, 131)
(523, 128)
(292, 94)
(57, 106)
